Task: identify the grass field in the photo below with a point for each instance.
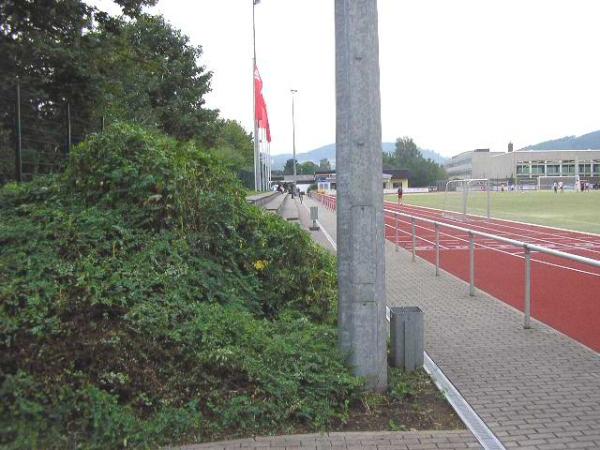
(572, 210)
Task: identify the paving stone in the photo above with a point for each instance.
(538, 380)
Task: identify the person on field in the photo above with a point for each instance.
(561, 186)
(555, 187)
(400, 194)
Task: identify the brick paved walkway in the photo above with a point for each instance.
(387, 440)
(533, 388)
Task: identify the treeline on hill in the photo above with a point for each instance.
(144, 303)
(406, 155)
(136, 68)
(305, 168)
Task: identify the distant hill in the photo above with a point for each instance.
(584, 142)
(328, 151)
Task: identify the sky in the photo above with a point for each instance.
(455, 75)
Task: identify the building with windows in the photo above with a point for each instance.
(471, 164)
(526, 164)
(397, 177)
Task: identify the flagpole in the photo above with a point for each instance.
(257, 180)
(269, 164)
(262, 158)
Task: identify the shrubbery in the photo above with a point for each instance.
(143, 302)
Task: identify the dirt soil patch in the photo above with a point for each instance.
(413, 402)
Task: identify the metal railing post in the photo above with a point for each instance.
(414, 238)
(437, 249)
(471, 264)
(465, 197)
(489, 195)
(527, 307)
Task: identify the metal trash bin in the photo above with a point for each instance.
(314, 216)
(407, 335)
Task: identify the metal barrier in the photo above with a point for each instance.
(527, 248)
(329, 201)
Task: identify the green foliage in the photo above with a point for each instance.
(235, 149)
(151, 76)
(138, 69)
(324, 164)
(423, 172)
(288, 169)
(407, 385)
(144, 302)
(308, 168)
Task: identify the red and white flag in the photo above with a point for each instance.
(262, 119)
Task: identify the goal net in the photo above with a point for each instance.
(546, 182)
(467, 197)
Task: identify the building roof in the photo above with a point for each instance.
(397, 173)
(391, 173)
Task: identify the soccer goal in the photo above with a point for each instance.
(546, 182)
(467, 196)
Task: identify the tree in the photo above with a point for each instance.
(288, 169)
(138, 69)
(307, 168)
(234, 146)
(406, 150)
(324, 164)
(423, 172)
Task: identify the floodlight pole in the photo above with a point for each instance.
(360, 226)
(293, 92)
(257, 162)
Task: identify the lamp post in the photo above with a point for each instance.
(257, 162)
(294, 91)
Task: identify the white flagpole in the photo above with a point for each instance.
(257, 181)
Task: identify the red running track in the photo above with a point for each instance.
(564, 294)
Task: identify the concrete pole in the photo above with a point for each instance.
(360, 221)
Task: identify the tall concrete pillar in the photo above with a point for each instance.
(360, 226)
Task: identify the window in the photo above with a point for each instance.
(568, 169)
(585, 169)
(523, 169)
(596, 169)
(553, 169)
(537, 169)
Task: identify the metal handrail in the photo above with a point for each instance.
(527, 248)
(516, 243)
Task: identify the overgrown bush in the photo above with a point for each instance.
(143, 302)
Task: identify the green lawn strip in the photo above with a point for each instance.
(571, 210)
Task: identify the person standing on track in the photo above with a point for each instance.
(400, 194)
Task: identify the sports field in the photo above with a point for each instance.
(571, 210)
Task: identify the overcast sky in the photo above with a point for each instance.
(455, 75)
